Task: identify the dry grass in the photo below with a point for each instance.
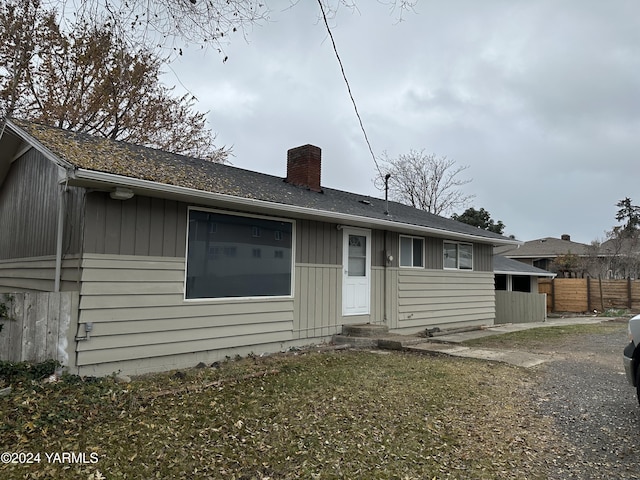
(347, 414)
(545, 338)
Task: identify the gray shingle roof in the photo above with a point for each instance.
(547, 247)
(508, 266)
(120, 158)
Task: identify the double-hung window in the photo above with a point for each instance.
(458, 256)
(411, 251)
(238, 256)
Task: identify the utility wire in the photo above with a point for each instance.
(346, 81)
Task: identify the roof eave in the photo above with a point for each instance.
(528, 274)
(26, 137)
(84, 177)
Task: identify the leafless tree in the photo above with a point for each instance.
(623, 252)
(425, 181)
(206, 23)
(85, 80)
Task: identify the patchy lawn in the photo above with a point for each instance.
(334, 414)
(543, 338)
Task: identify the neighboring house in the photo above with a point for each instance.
(620, 257)
(178, 261)
(544, 253)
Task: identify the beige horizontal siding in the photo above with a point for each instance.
(223, 311)
(138, 310)
(183, 360)
(38, 274)
(92, 357)
(101, 339)
(428, 298)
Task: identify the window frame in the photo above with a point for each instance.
(458, 245)
(244, 215)
(422, 253)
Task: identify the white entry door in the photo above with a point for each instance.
(356, 271)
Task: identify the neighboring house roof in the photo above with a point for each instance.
(94, 161)
(547, 247)
(507, 266)
(621, 246)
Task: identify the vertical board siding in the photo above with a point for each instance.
(377, 248)
(384, 296)
(28, 208)
(520, 307)
(38, 327)
(29, 199)
(38, 274)
(482, 257)
(434, 257)
(431, 298)
(138, 312)
(318, 243)
(141, 226)
(318, 301)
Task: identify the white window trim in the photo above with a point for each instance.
(239, 299)
(457, 267)
(400, 252)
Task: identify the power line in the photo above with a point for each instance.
(346, 81)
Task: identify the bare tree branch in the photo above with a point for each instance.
(425, 181)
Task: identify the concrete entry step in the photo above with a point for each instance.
(365, 330)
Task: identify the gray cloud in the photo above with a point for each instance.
(540, 99)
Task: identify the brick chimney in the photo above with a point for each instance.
(566, 237)
(303, 167)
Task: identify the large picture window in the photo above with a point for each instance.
(411, 252)
(238, 256)
(458, 256)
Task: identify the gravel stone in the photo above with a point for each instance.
(593, 408)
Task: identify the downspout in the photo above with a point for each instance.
(60, 230)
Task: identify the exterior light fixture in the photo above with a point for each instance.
(121, 193)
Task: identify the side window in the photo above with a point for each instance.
(465, 256)
(450, 255)
(458, 256)
(411, 252)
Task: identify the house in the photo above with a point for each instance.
(620, 257)
(177, 261)
(545, 252)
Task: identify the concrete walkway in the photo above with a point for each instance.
(450, 344)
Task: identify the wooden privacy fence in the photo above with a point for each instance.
(520, 307)
(587, 294)
(37, 326)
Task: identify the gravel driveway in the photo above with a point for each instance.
(585, 393)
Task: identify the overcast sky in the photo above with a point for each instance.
(540, 98)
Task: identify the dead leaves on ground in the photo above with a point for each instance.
(314, 415)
